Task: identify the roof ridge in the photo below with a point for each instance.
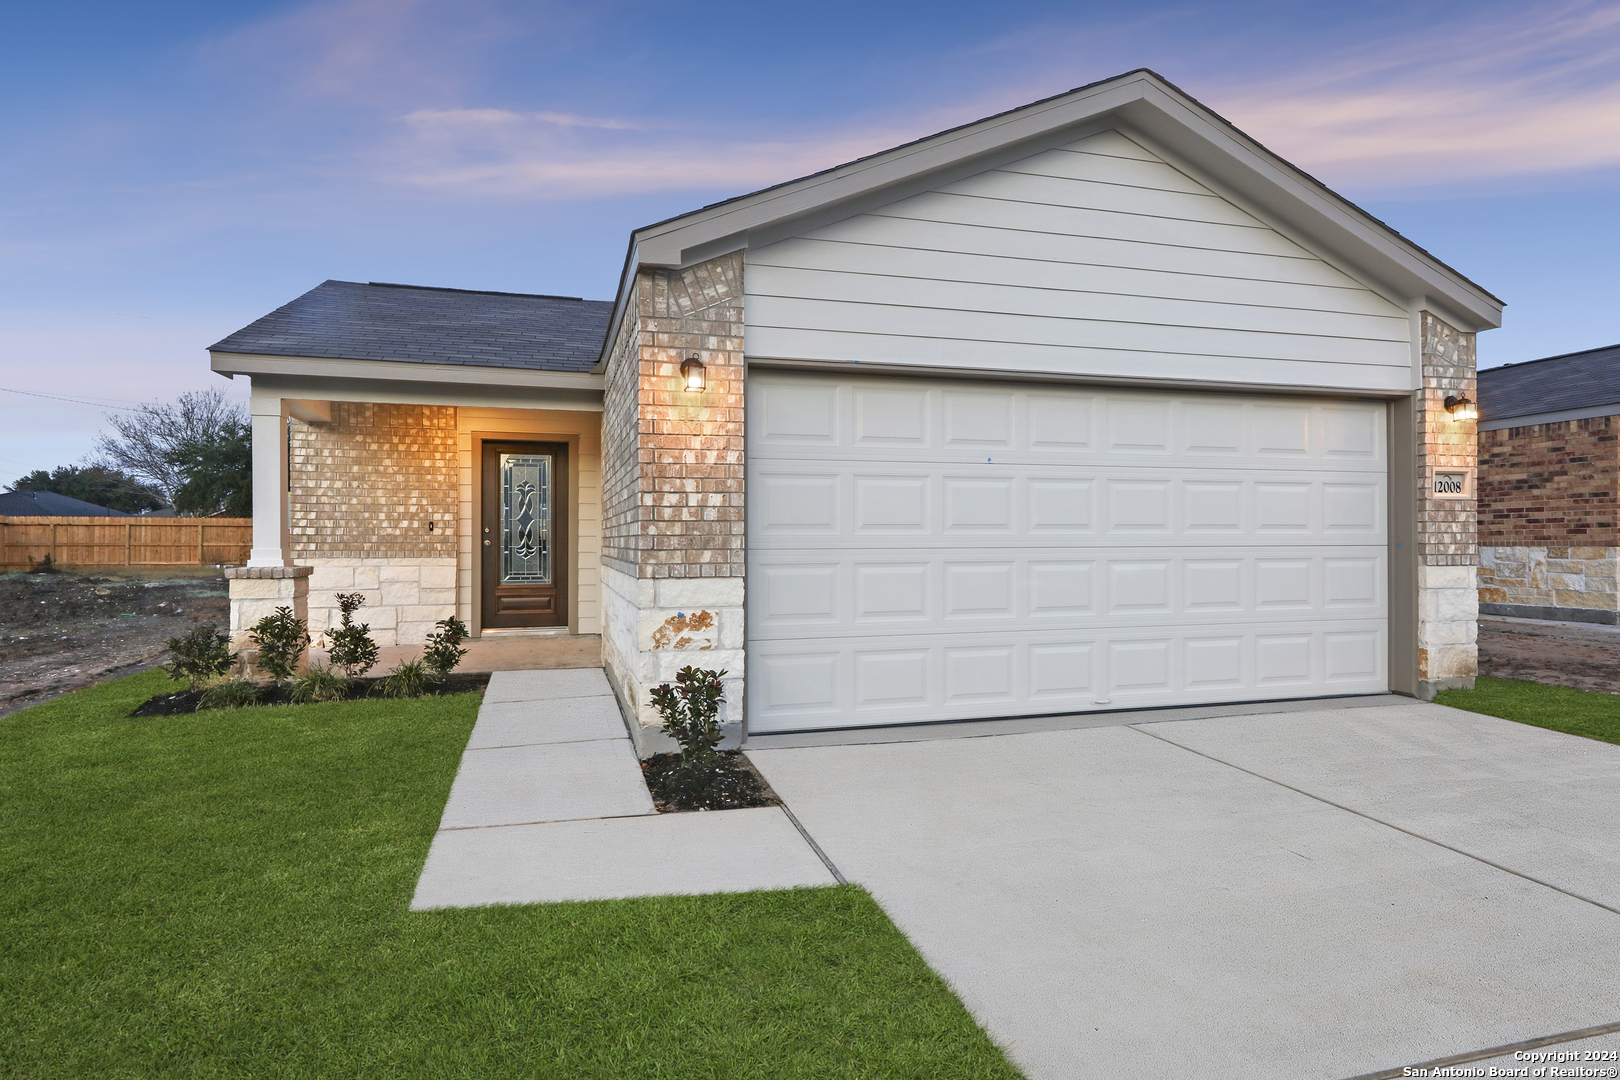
(480, 292)
(1559, 356)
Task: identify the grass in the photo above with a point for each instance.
(225, 895)
(1576, 712)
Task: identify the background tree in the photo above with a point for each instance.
(112, 488)
(148, 443)
(215, 474)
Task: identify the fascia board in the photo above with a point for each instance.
(1312, 209)
(400, 371)
(1563, 416)
(1139, 100)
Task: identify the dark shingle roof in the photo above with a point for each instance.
(50, 504)
(348, 320)
(1580, 380)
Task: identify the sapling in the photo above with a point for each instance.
(281, 639)
(350, 645)
(200, 657)
(444, 649)
(690, 710)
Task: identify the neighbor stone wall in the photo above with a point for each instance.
(372, 508)
(1447, 536)
(674, 543)
(1547, 520)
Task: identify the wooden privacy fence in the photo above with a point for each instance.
(124, 541)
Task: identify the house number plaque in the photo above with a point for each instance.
(1451, 483)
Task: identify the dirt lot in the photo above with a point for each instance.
(1586, 657)
(62, 631)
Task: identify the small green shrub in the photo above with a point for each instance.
(444, 650)
(201, 656)
(410, 679)
(690, 709)
(350, 646)
(320, 683)
(230, 694)
(281, 639)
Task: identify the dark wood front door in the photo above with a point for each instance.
(525, 535)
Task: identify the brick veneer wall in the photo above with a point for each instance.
(1550, 484)
(674, 542)
(1548, 508)
(364, 489)
(1447, 536)
(368, 484)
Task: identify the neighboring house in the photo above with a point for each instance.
(1549, 463)
(1093, 404)
(50, 504)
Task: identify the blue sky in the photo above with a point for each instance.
(171, 171)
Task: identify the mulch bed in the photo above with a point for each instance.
(186, 701)
(732, 785)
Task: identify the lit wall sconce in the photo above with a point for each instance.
(1461, 408)
(692, 373)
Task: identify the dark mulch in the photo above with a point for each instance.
(732, 785)
(185, 701)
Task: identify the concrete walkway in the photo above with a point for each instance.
(1324, 893)
(549, 804)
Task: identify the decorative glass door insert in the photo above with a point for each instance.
(525, 481)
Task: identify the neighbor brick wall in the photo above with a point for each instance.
(368, 484)
(1550, 485)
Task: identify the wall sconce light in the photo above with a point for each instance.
(1461, 408)
(692, 373)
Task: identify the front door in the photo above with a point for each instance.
(525, 535)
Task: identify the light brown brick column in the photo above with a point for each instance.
(1447, 530)
(674, 544)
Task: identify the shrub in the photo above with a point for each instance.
(410, 679)
(350, 646)
(444, 650)
(230, 694)
(201, 656)
(690, 709)
(282, 639)
(320, 683)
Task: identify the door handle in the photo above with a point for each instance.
(486, 543)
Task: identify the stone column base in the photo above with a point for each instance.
(257, 591)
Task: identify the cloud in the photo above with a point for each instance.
(1535, 93)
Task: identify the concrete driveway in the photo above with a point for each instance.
(1321, 893)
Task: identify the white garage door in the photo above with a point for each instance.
(923, 550)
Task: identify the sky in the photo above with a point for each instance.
(172, 170)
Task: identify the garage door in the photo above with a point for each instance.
(923, 550)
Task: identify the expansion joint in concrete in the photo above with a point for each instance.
(1380, 821)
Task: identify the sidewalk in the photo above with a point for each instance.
(549, 805)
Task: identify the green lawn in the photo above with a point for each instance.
(1578, 712)
(225, 895)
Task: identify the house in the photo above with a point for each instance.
(1549, 465)
(1093, 404)
(50, 504)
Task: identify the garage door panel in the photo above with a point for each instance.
(858, 682)
(923, 550)
(799, 594)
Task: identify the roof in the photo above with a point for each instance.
(1140, 100)
(1585, 382)
(351, 320)
(50, 504)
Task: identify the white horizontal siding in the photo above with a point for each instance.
(1097, 258)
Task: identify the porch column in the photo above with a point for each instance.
(269, 414)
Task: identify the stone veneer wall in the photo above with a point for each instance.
(364, 491)
(674, 540)
(1447, 540)
(1548, 509)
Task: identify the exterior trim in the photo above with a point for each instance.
(400, 371)
(1532, 419)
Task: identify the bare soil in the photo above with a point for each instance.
(65, 630)
(1560, 654)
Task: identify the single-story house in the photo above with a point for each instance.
(50, 504)
(1093, 404)
(1549, 475)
